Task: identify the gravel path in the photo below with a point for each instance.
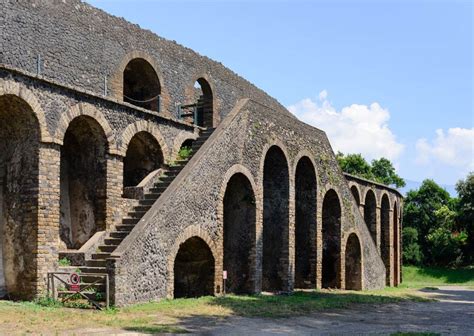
(453, 314)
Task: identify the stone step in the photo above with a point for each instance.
(130, 221)
(107, 248)
(142, 208)
(125, 228)
(113, 241)
(158, 189)
(146, 202)
(92, 269)
(152, 196)
(118, 234)
(167, 178)
(176, 168)
(100, 255)
(136, 214)
(96, 263)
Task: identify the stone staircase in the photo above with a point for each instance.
(94, 269)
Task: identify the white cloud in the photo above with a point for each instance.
(454, 148)
(355, 129)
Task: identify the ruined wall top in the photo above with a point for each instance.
(85, 47)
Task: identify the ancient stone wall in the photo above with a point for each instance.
(82, 46)
(144, 262)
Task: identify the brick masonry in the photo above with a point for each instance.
(81, 76)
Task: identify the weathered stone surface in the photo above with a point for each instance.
(250, 201)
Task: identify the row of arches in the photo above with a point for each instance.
(83, 177)
(241, 244)
(378, 222)
(141, 86)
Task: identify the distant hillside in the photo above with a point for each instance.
(415, 185)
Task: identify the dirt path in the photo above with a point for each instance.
(453, 314)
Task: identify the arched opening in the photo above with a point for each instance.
(355, 193)
(331, 272)
(141, 86)
(385, 238)
(194, 269)
(19, 146)
(204, 103)
(305, 224)
(83, 181)
(353, 263)
(275, 220)
(370, 214)
(143, 156)
(239, 233)
(396, 244)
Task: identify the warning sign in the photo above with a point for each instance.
(74, 282)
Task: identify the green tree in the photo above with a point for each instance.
(355, 164)
(384, 172)
(380, 170)
(465, 206)
(411, 248)
(419, 210)
(445, 244)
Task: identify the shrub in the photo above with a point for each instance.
(412, 254)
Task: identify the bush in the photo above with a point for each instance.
(412, 254)
(445, 247)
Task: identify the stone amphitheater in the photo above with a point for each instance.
(156, 172)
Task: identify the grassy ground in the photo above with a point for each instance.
(173, 316)
(416, 277)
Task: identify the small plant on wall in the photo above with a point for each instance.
(185, 152)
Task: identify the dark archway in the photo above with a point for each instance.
(370, 214)
(305, 224)
(331, 272)
(239, 233)
(385, 235)
(19, 148)
(204, 103)
(355, 193)
(396, 246)
(353, 263)
(276, 188)
(141, 86)
(143, 156)
(83, 181)
(194, 269)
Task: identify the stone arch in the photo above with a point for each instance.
(83, 109)
(353, 263)
(396, 245)
(237, 215)
(385, 235)
(193, 231)
(370, 213)
(83, 181)
(144, 156)
(305, 223)
(355, 193)
(20, 134)
(331, 231)
(182, 137)
(10, 88)
(143, 126)
(276, 188)
(205, 93)
(117, 79)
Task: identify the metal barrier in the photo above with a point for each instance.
(72, 282)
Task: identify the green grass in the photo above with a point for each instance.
(417, 277)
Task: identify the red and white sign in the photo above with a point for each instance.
(74, 280)
(224, 275)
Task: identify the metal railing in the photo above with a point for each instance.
(74, 289)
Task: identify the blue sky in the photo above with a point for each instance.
(384, 78)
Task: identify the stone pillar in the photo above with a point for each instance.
(114, 209)
(290, 262)
(378, 226)
(48, 213)
(258, 238)
(391, 249)
(319, 240)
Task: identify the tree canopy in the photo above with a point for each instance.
(380, 170)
